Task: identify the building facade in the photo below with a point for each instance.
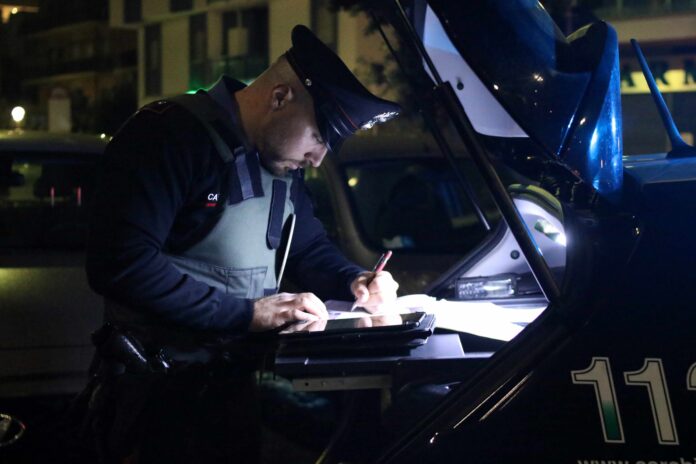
(88, 63)
(185, 45)
(666, 31)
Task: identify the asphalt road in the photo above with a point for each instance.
(51, 437)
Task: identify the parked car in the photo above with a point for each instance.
(606, 371)
(47, 310)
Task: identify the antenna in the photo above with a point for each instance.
(679, 147)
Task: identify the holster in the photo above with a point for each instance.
(127, 374)
(121, 378)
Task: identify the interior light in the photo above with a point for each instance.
(550, 231)
(478, 288)
(353, 181)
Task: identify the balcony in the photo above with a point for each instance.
(244, 68)
(45, 67)
(628, 9)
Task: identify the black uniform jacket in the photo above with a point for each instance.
(162, 188)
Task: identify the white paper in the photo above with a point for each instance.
(475, 317)
(405, 304)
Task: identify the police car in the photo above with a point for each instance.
(47, 310)
(606, 372)
(528, 122)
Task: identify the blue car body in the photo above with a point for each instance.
(607, 373)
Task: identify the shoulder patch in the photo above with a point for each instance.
(158, 107)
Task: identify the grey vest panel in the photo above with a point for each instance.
(235, 256)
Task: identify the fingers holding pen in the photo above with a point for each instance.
(374, 290)
(383, 282)
(360, 287)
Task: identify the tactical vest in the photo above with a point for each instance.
(242, 254)
(238, 256)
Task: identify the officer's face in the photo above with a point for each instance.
(290, 136)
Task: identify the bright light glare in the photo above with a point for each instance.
(18, 114)
(593, 140)
(353, 181)
(550, 231)
(15, 10)
(102, 136)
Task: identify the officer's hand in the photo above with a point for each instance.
(275, 310)
(378, 295)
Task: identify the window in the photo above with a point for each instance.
(244, 44)
(412, 204)
(153, 60)
(325, 22)
(43, 202)
(255, 21)
(245, 32)
(180, 5)
(198, 52)
(132, 11)
(230, 21)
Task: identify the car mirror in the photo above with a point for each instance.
(11, 430)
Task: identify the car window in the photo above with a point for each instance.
(412, 204)
(43, 202)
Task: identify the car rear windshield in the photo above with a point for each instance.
(412, 204)
(43, 201)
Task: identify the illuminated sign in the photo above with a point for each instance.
(679, 78)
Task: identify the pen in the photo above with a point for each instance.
(379, 266)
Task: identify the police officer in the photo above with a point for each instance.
(187, 237)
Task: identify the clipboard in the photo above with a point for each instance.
(357, 337)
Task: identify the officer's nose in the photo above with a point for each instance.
(315, 157)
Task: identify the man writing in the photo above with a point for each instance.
(187, 233)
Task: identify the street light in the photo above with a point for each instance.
(18, 114)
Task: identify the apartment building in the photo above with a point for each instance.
(184, 45)
(88, 63)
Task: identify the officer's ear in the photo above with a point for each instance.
(281, 95)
